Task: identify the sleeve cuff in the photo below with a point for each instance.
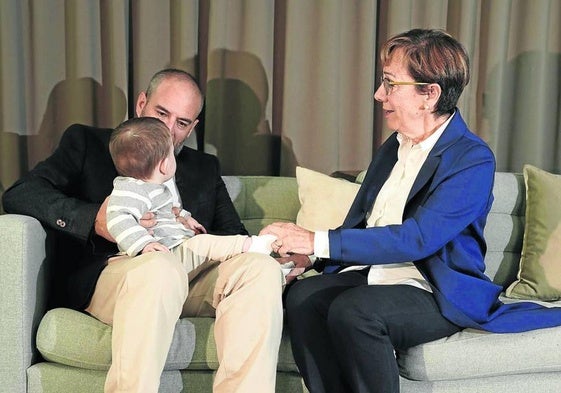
(321, 244)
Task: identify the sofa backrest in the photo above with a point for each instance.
(504, 231)
(261, 200)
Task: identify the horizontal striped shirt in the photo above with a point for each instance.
(129, 201)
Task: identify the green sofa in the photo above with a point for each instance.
(73, 352)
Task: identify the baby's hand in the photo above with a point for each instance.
(193, 224)
(188, 221)
(154, 246)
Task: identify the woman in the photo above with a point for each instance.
(409, 255)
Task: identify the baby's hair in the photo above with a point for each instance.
(138, 145)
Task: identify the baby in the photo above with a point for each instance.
(143, 154)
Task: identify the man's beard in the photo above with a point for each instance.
(177, 148)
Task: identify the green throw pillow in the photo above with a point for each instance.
(539, 275)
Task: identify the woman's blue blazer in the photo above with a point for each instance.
(441, 232)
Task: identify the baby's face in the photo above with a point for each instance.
(172, 165)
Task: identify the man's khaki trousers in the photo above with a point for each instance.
(143, 297)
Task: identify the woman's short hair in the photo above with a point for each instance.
(432, 56)
(138, 145)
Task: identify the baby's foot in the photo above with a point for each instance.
(262, 244)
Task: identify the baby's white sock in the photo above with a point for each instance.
(262, 244)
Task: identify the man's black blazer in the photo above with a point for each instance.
(65, 191)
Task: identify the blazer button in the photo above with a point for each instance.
(61, 223)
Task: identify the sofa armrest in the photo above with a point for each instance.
(22, 296)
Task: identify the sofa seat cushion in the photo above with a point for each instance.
(478, 354)
(76, 339)
(47, 377)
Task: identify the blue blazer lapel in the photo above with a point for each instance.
(378, 171)
(453, 132)
(424, 176)
(383, 171)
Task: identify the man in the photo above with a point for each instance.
(142, 297)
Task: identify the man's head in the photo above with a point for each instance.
(174, 97)
(140, 146)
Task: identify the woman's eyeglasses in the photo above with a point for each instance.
(389, 84)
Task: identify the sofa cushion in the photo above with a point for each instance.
(476, 354)
(76, 339)
(539, 275)
(58, 378)
(324, 200)
(262, 200)
(505, 228)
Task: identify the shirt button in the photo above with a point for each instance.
(61, 223)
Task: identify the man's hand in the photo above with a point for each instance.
(148, 220)
(291, 239)
(100, 225)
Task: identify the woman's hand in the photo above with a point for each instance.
(291, 239)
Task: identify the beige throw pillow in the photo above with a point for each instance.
(325, 200)
(539, 275)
